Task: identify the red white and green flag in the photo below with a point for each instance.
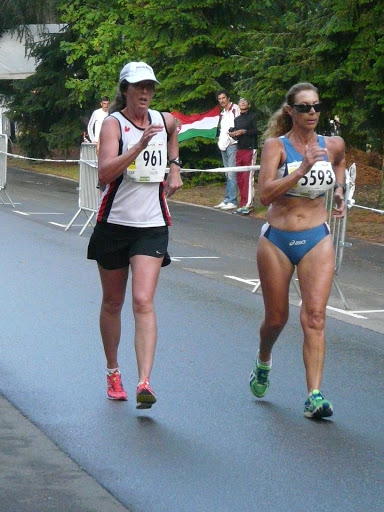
(197, 125)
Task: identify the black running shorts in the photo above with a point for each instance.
(112, 245)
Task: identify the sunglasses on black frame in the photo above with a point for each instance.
(304, 108)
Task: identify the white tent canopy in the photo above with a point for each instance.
(14, 63)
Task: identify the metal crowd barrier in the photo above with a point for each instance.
(3, 168)
(89, 194)
(338, 229)
(339, 226)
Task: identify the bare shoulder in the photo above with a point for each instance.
(272, 156)
(111, 122)
(335, 144)
(336, 148)
(110, 133)
(170, 121)
(274, 146)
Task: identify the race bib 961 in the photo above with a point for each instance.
(150, 165)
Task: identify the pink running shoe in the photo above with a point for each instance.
(145, 396)
(115, 388)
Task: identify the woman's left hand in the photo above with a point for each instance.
(339, 208)
(172, 183)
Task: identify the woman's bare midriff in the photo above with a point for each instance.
(297, 213)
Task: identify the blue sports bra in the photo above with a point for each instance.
(316, 182)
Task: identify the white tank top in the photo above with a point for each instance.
(130, 200)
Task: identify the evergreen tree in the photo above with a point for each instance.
(48, 117)
(17, 14)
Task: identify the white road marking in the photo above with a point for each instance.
(246, 281)
(38, 213)
(371, 311)
(57, 224)
(354, 314)
(348, 313)
(178, 258)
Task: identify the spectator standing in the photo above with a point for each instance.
(97, 118)
(228, 146)
(245, 132)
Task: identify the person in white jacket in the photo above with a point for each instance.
(228, 147)
(97, 119)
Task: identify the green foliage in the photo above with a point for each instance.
(17, 14)
(189, 44)
(253, 49)
(338, 46)
(197, 179)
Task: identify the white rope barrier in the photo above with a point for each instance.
(225, 169)
(381, 212)
(92, 164)
(38, 159)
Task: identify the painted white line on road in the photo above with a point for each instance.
(354, 314)
(246, 281)
(371, 311)
(65, 225)
(348, 313)
(57, 224)
(178, 258)
(39, 213)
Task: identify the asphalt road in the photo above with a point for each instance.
(207, 445)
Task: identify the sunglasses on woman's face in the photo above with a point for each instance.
(304, 108)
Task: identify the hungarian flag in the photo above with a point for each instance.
(197, 125)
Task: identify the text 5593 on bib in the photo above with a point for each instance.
(316, 182)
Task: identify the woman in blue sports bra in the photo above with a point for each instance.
(297, 168)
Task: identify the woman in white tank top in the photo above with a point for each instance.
(133, 218)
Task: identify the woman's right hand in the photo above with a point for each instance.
(312, 154)
(149, 132)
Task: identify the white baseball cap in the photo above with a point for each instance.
(134, 72)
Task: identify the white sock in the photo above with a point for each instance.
(264, 363)
(111, 371)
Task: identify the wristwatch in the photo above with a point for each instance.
(176, 161)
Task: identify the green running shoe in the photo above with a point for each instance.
(258, 380)
(316, 406)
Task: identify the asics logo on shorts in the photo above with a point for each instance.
(297, 242)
